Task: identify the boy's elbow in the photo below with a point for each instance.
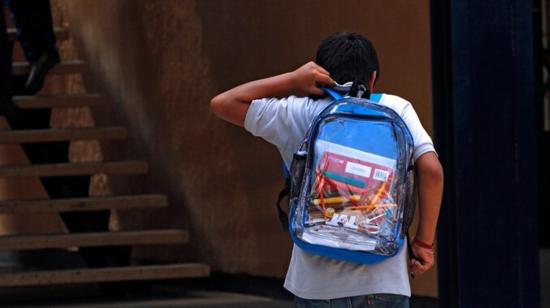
(217, 105)
(430, 167)
(226, 108)
(436, 172)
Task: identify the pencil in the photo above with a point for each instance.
(332, 200)
(371, 206)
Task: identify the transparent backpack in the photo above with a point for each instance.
(352, 182)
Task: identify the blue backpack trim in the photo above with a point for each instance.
(341, 254)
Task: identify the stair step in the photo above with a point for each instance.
(146, 272)
(122, 167)
(60, 33)
(59, 100)
(66, 134)
(82, 204)
(65, 67)
(42, 241)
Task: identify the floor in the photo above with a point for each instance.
(173, 296)
(195, 299)
(191, 300)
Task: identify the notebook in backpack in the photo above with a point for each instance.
(351, 182)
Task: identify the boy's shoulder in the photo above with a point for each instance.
(397, 103)
(298, 105)
(394, 100)
(304, 101)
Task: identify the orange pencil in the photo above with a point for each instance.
(371, 206)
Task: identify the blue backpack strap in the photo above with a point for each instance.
(283, 216)
(376, 97)
(286, 172)
(333, 93)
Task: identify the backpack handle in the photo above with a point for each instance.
(374, 97)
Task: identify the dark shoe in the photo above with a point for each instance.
(8, 107)
(39, 69)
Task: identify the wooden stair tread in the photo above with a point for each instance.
(64, 134)
(65, 67)
(67, 169)
(60, 33)
(142, 237)
(59, 100)
(82, 204)
(145, 272)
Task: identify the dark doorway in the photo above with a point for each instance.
(542, 81)
(486, 116)
(541, 30)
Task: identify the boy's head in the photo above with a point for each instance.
(348, 56)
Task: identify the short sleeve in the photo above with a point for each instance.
(282, 122)
(422, 141)
(269, 118)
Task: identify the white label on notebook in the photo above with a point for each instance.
(358, 169)
(380, 175)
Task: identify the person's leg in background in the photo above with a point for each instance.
(7, 107)
(5, 58)
(33, 19)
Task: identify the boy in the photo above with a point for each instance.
(279, 110)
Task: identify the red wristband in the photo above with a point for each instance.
(422, 244)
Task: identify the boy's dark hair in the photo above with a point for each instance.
(348, 56)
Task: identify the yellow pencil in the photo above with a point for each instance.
(332, 200)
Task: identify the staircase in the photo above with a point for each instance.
(63, 172)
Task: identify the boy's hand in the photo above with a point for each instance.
(232, 105)
(309, 78)
(421, 261)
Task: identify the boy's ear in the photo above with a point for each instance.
(372, 81)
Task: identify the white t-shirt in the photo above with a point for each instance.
(284, 123)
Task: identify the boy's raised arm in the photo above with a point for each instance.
(232, 105)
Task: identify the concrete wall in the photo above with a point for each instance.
(162, 61)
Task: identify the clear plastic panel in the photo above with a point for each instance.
(352, 196)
